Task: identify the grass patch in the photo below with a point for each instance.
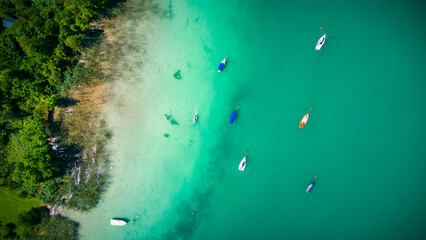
(11, 205)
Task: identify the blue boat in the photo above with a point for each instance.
(233, 116)
(222, 65)
(312, 185)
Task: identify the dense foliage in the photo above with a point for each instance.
(38, 62)
(34, 216)
(48, 190)
(40, 225)
(35, 53)
(28, 152)
(7, 231)
(60, 227)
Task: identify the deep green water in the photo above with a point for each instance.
(365, 138)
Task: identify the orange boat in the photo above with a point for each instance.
(304, 120)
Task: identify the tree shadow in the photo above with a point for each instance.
(67, 102)
(64, 154)
(92, 37)
(109, 10)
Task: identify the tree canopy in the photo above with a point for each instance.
(35, 52)
(38, 52)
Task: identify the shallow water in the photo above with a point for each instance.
(366, 87)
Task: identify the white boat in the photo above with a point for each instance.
(194, 120)
(304, 120)
(118, 222)
(320, 42)
(312, 185)
(242, 164)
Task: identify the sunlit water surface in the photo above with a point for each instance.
(365, 138)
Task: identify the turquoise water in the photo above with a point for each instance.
(364, 139)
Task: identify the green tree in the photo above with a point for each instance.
(74, 42)
(29, 153)
(7, 231)
(48, 191)
(35, 54)
(34, 216)
(29, 233)
(60, 227)
(7, 9)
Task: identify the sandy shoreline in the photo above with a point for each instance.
(142, 49)
(85, 118)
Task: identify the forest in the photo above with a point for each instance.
(39, 54)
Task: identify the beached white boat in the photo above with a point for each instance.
(242, 164)
(118, 222)
(320, 42)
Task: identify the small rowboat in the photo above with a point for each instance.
(242, 165)
(320, 42)
(312, 185)
(304, 120)
(222, 65)
(118, 222)
(194, 120)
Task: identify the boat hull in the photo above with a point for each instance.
(194, 120)
(304, 120)
(221, 65)
(310, 187)
(117, 222)
(320, 42)
(233, 116)
(242, 165)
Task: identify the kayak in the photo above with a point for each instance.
(242, 164)
(304, 120)
(233, 116)
(222, 65)
(312, 185)
(194, 120)
(320, 42)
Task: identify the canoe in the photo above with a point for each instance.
(233, 116)
(320, 42)
(312, 185)
(222, 65)
(118, 222)
(304, 120)
(242, 165)
(194, 120)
